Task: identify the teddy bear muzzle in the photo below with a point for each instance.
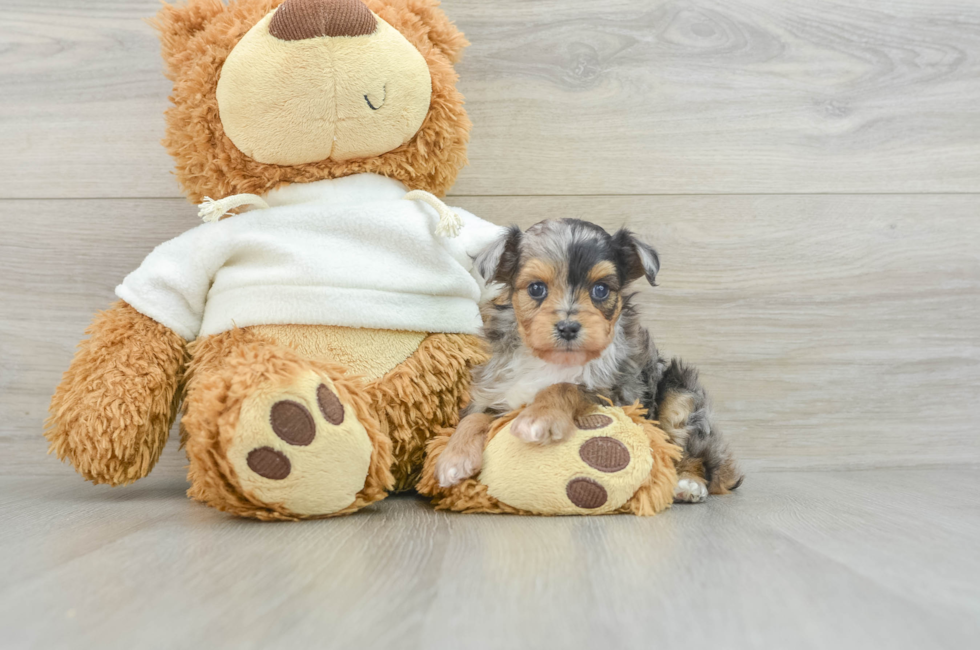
(317, 80)
(298, 20)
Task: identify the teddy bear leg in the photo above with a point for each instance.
(272, 435)
(613, 460)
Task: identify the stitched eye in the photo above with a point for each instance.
(537, 290)
(600, 291)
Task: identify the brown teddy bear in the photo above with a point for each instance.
(317, 340)
(319, 328)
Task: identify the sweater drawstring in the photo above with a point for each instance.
(450, 223)
(211, 210)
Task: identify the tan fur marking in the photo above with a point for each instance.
(597, 330)
(602, 271)
(726, 478)
(535, 320)
(537, 270)
(673, 414)
(552, 415)
(561, 400)
(692, 468)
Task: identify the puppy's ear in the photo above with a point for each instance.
(635, 259)
(498, 262)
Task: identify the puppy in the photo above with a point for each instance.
(564, 334)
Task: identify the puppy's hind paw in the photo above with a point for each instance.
(690, 490)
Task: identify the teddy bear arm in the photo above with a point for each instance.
(111, 414)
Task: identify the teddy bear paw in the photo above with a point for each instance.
(300, 448)
(595, 468)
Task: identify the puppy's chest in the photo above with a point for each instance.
(526, 377)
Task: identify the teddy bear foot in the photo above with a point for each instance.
(614, 461)
(271, 434)
(301, 448)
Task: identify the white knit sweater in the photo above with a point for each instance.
(350, 252)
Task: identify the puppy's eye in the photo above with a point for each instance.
(600, 291)
(537, 290)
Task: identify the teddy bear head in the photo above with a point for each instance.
(271, 92)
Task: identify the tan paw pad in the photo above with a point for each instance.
(300, 448)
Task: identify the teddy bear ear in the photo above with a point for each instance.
(404, 15)
(179, 23)
(443, 32)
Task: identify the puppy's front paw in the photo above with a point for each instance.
(456, 464)
(542, 427)
(690, 490)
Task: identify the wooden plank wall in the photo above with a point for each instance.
(808, 169)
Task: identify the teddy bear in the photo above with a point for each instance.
(317, 332)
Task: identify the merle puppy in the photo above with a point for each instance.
(564, 332)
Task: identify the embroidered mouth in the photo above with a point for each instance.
(381, 102)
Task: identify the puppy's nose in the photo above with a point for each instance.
(568, 329)
(298, 20)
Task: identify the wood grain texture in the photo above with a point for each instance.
(830, 330)
(567, 97)
(865, 559)
(833, 330)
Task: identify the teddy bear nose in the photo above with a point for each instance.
(298, 20)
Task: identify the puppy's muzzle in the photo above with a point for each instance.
(568, 329)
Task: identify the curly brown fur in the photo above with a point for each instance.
(226, 369)
(197, 38)
(414, 408)
(610, 353)
(111, 414)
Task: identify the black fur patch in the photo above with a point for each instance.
(582, 258)
(629, 262)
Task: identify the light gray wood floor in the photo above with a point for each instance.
(861, 559)
(809, 171)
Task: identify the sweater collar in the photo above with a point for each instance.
(349, 190)
(338, 192)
